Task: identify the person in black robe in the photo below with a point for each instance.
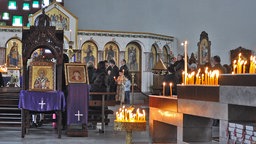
(114, 73)
(171, 78)
(65, 91)
(178, 68)
(124, 66)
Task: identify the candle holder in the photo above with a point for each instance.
(133, 76)
(127, 121)
(128, 127)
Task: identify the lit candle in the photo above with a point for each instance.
(239, 56)
(234, 66)
(206, 76)
(186, 58)
(217, 78)
(144, 115)
(170, 84)
(251, 64)
(197, 78)
(193, 77)
(183, 77)
(244, 67)
(241, 66)
(203, 79)
(163, 88)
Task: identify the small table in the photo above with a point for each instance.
(103, 107)
(41, 102)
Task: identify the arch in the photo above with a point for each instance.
(89, 52)
(46, 37)
(111, 51)
(157, 47)
(153, 56)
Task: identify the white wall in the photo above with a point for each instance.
(229, 23)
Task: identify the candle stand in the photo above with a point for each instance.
(128, 127)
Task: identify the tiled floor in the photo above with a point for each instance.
(47, 135)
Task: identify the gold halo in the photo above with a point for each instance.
(42, 70)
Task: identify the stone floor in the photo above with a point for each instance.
(47, 135)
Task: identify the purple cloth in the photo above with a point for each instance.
(77, 100)
(50, 101)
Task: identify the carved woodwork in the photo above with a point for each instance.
(44, 36)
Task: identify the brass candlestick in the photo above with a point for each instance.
(129, 127)
(133, 76)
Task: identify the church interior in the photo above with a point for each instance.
(134, 72)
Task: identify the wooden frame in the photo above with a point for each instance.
(111, 51)
(76, 73)
(132, 56)
(13, 54)
(89, 53)
(42, 76)
(204, 49)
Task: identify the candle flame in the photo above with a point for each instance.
(127, 115)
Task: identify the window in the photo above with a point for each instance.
(35, 4)
(26, 6)
(12, 5)
(17, 21)
(46, 2)
(6, 16)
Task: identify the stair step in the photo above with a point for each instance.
(10, 124)
(10, 118)
(10, 114)
(9, 108)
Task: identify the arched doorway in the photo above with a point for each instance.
(152, 57)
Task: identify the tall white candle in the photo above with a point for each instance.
(186, 59)
(170, 84)
(164, 88)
